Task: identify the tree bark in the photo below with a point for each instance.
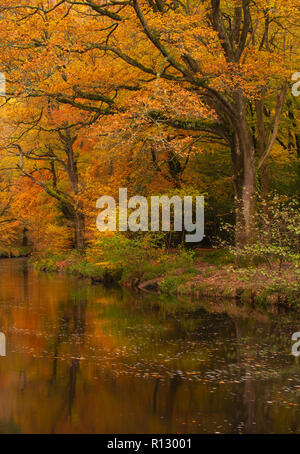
(245, 153)
(79, 224)
(77, 216)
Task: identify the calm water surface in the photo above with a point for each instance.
(82, 359)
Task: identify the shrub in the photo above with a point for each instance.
(277, 237)
(129, 255)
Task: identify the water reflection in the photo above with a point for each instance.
(84, 359)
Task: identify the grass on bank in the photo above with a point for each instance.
(198, 272)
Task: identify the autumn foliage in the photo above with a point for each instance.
(153, 95)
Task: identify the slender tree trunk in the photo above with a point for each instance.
(79, 226)
(237, 167)
(262, 142)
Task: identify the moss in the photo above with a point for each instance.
(73, 263)
(86, 269)
(152, 270)
(219, 257)
(170, 284)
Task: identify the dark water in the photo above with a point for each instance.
(84, 359)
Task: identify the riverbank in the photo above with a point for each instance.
(209, 273)
(257, 286)
(15, 252)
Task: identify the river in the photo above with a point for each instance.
(84, 359)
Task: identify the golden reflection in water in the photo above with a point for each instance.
(82, 359)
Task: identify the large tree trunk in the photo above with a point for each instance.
(78, 217)
(246, 191)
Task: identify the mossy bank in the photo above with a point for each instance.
(197, 274)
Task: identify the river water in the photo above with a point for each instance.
(84, 359)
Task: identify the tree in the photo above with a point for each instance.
(188, 72)
(213, 50)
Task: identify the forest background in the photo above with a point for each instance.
(193, 97)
